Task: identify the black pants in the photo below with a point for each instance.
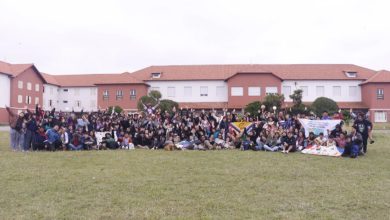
(365, 144)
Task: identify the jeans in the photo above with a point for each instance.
(78, 147)
(268, 148)
(15, 137)
(28, 139)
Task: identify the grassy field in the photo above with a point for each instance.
(145, 184)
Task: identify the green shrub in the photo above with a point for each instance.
(322, 104)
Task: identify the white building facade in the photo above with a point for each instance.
(338, 90)
(192, 91)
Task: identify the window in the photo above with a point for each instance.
(133, 94)
(28, 99)
(65, 90)
(187, 91)
(337, 90)
(380, 94)
(254, 91)
(119, 95)
(320, 91)
(36, 100)
(237, 91)
(20, 99)
(380, 116)
(77, 103)
(92, 104)
(105, 94)
(220, 91)
(50, 103)
(93, 91)
(305, 91)
(171, 92)
(76, 91)
(353, 91)
(271, 90)
(20, 84)
(204, 91)
(37, 87)
(156, 75)
(65, 101)
(351, 74)
(29, 86)
(286, 91)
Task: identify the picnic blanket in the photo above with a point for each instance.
(332, 151)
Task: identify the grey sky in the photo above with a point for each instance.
(75, 36)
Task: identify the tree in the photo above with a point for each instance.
(117, 109)
(253, 108)
(322, 104)
(155, 94)
(297, 97)
(272, 100)
(298, 107)
(167, 105)
(153, 98)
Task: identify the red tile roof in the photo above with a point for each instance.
(13, 69)
(283, 71)
(50, 79)
(91, 79)
(382, 76)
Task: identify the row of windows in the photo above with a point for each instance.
(29, 86)
(320, 91)
(76, 91)
(187, 91)
(27, 100)
(77, 103)
(119, 94)
(253, 91)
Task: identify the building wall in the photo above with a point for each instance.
(5, 85)
(51, 94)
(377, 106)
(246, 80)
(77, 99)
(126, 102)
(28, 76)
(328, 86)
(181, 93)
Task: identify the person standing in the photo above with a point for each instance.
(364, 127)
(16, 125)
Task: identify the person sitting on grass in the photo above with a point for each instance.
(109, 142)
(53, 139)
(39, 139)
(321, 140)
(289, 143)
(301, 141)
(76, 143)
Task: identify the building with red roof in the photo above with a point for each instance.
(197, 86)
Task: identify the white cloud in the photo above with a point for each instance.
(114, 36)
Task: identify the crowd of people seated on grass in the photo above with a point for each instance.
(181, 129)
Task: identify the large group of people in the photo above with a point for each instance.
(179, 129)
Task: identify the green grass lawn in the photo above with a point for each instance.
(144, 184)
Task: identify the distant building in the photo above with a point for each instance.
(197, 86)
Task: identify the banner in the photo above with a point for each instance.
(240, 126)
(318, 126)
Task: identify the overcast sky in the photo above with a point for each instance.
(113, 36)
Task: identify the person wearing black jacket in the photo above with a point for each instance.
(289, 143)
